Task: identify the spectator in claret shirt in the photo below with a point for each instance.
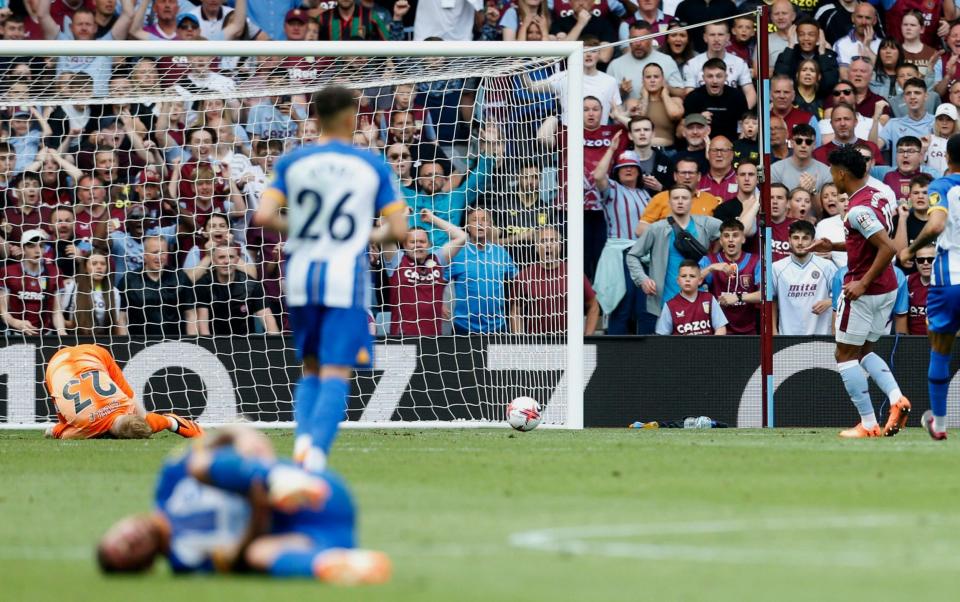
(540, 299)
(480, 276)
(918, 285)
(909, 156)
(29, 212)
(729, 275)
(417, 276)
(720, 179)
(29, 297)
(783, 97)
(779, 222)
(691, 311)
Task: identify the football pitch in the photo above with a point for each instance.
(491, 515)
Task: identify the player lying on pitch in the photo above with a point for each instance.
(228, 505)
(93, 400)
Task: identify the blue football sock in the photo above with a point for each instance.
(880, 373)
(330, 410)
(855, 381)
(304, 402)
(938, 375)
(297, 563)
(231, 472)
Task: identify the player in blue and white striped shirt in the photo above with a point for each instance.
(943, 300)
(333, 193)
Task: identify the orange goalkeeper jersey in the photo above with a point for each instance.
(89, 390)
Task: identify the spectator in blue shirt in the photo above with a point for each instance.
(448, 197)
(480, 275)
(26, 135)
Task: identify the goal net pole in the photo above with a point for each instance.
(405, 67)
(764, 230)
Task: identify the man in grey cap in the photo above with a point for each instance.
(696, 131)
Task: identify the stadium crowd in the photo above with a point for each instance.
(134, 218)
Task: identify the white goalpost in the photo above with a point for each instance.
(137, 166)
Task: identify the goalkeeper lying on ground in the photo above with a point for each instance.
(93, 399)
(228, 505)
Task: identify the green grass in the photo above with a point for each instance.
(703, 515)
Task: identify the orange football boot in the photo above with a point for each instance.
(860, 432)
(352, 567)
(186, 427)
(899, 412)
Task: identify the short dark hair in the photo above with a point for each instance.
(850, 159)
(732, 223)
(641, 24)
(909, 141)
(715, 64)
(749, 114)
(803, 227)
(921, 179)
(805, 19)
(640, 118)
(915, 82)
(330, 101)
(689, 263)
(28, 175)
(803, 129)
(786, 191)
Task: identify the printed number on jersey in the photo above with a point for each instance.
(337, 224)
(78, 394)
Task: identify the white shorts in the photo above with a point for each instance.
(864, 319)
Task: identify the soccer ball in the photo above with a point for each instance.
(523, 413)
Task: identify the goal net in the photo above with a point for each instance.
(131, 172)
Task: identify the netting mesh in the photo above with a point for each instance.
(138, 178)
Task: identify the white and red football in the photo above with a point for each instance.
(523, 413)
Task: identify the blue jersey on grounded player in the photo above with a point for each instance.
(333, 192)
(204, 519)
(944, 195)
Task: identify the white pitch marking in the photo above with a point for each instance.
(601, 540)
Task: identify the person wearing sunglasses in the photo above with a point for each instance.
(801, 170)
(918, 285)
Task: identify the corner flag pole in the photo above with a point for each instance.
(763, 230)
